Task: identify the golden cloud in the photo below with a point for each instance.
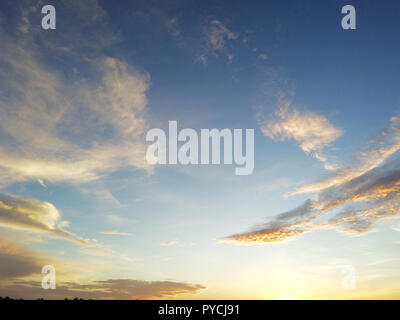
(35, 216)
(351, 202)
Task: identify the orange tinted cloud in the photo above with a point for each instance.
(352, 205)
(116, 233)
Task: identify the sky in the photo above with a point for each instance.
(319, 211)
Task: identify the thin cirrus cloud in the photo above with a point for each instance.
(73, 126)
(169, 243)
(116, 233)
(216, 35)
(396, 227)
(313, 132)
(352, 201)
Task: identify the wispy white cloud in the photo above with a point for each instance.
(172, 25)
(49, 139)
(262, 56)
(169, 243)
(396, 227)
(216, 35)
(73, 127)
(312, 131)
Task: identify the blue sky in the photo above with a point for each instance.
(77, 192)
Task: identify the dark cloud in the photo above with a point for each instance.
(13, 266)
(16, 261)
(109, 289)
(18, 265)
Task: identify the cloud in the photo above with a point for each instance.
(108, 289)
(169, 243)
(43, 218)
(20, 271)
(374, 154)
(216, 37)
(312, 131)
(19, 266)
(352, 202)
(113, 232)
(283, 227)
(16, 261)
(172, 26)
(35, 216)
(74, 125)
(262, 56)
